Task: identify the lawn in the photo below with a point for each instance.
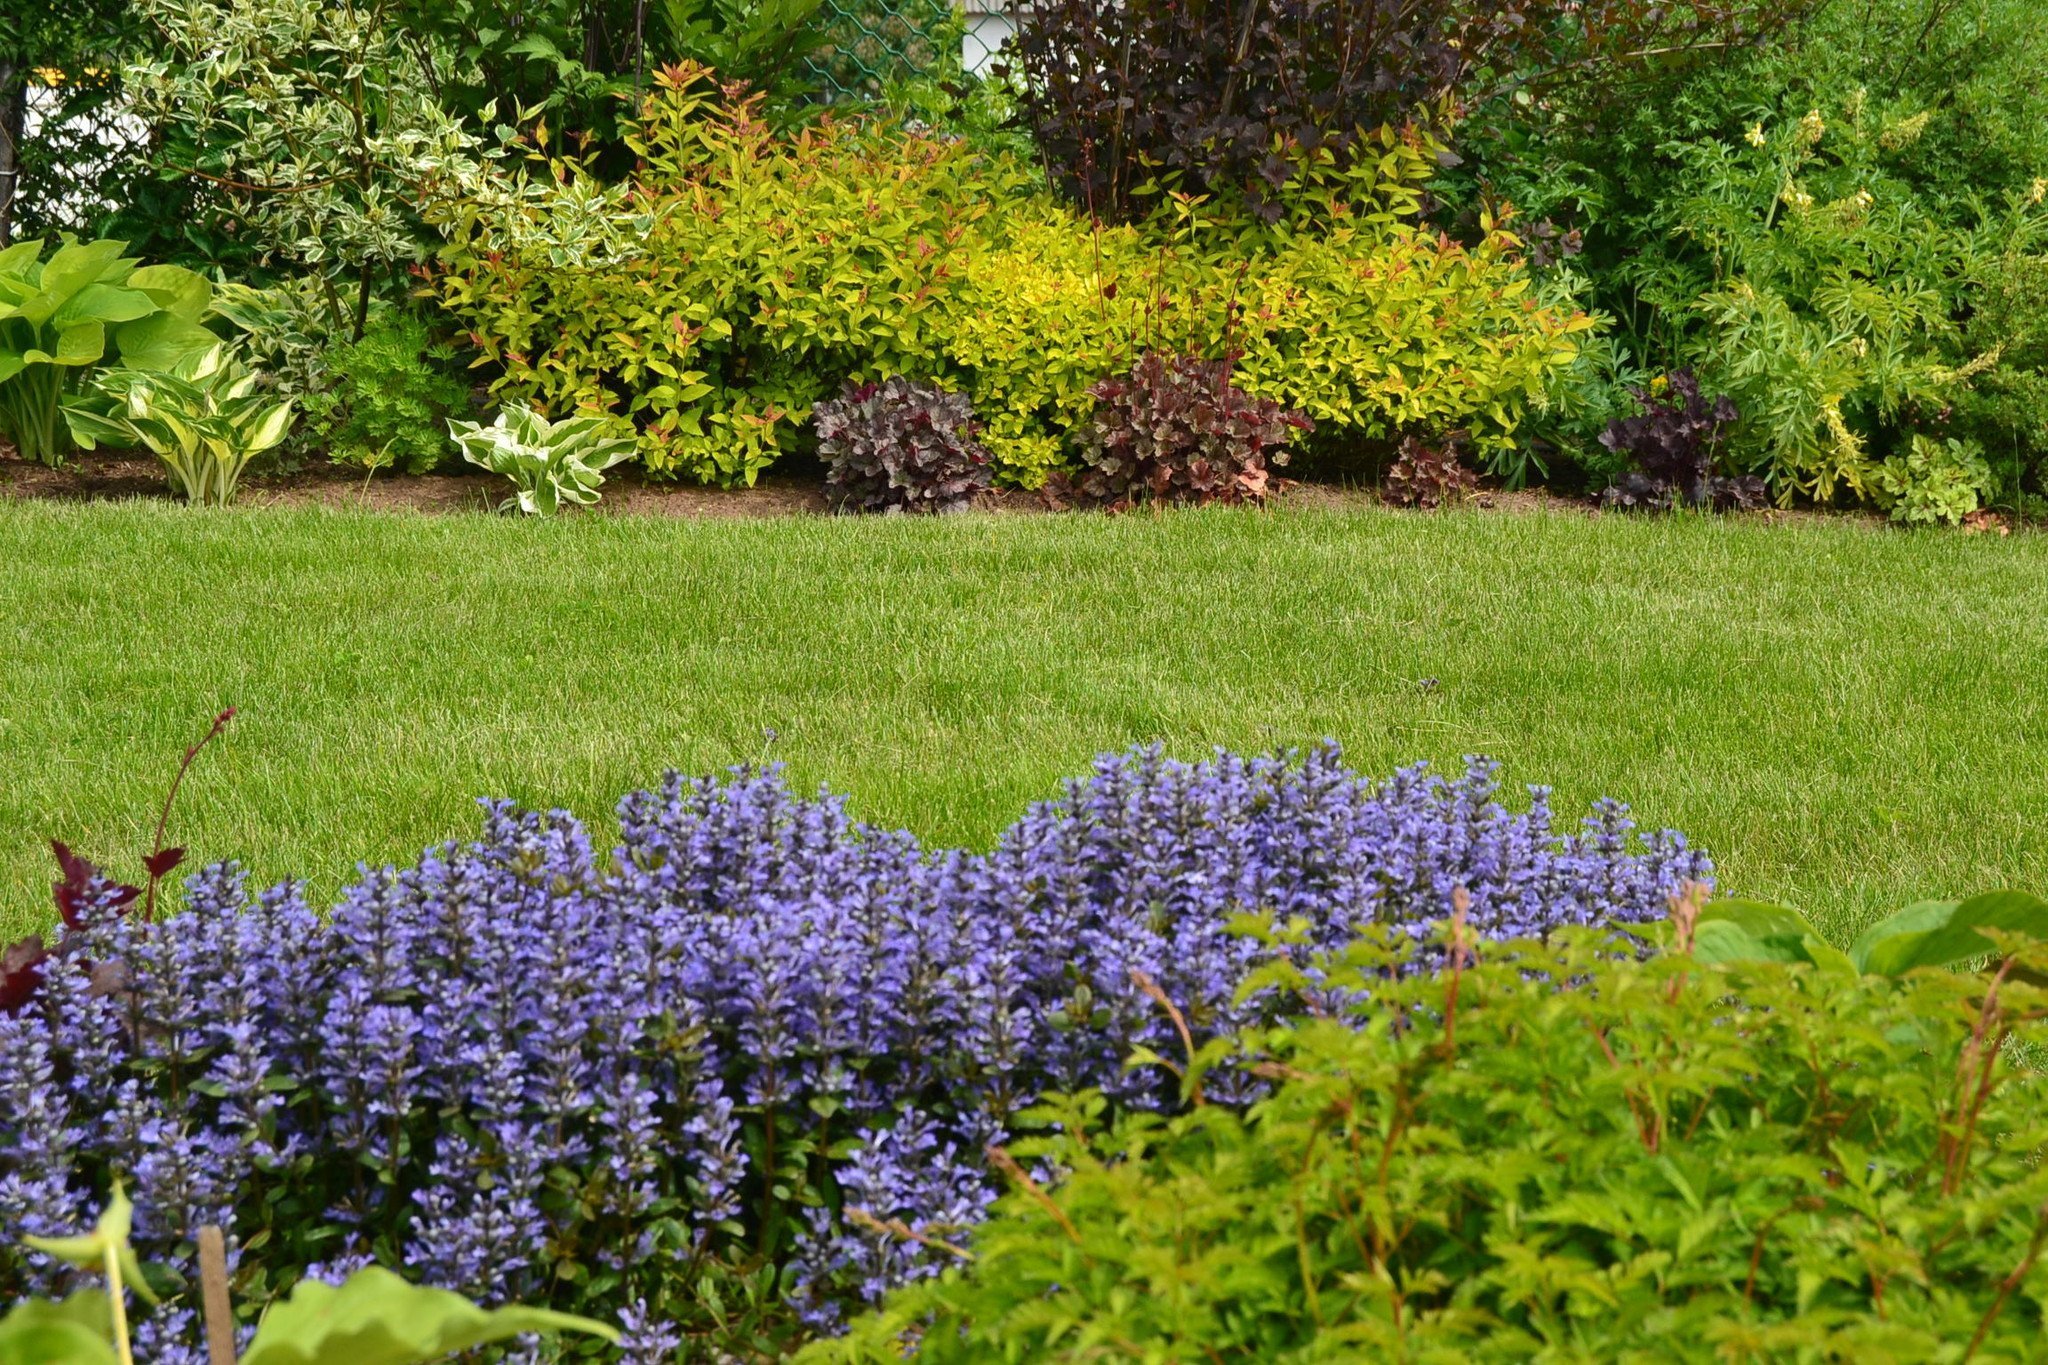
(1847, 717)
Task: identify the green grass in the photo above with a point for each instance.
(1847, 717)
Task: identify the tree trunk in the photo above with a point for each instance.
(13, 127)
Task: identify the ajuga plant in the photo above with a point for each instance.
(1177, 429)
(1672, 446)
(1546, 1150)
(81, 887)
(900, 446)
(1427, 474)
(733, 1060)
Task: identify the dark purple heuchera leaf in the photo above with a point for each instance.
(21, 971)
(1673, 445)
(901, 447)
(1176, 429)
(75, 886)
(507, 1059)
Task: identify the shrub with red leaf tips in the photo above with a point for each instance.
(1176, 429)
(900, 446)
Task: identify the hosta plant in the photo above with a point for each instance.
(550, 463)
(64, 315)
(898, 446)
(205, 418)
(1178, 429)
(1544, 1151)
(1924, 934)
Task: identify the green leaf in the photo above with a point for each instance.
(82, 343)
(1940, 933)
(180, 292)
(267, 430)
(105, 303)
(160, 341)
(77, 1331)
(378, 1319)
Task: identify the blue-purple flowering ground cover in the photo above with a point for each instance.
(648, 1088)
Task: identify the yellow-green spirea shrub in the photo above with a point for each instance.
(740, 276)
(1545, 1154)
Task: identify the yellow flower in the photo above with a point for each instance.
(2037, 191)
(1756, 135)
(1811, 128)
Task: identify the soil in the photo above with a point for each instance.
(100, 475)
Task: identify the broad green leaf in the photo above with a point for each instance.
(1940, 933)
(51, 1343)
(267, 430)
(15, 260)
(92, 429)
(69, 270)
(160, 341)
(378, 1319)
(104, 303)
(81, 343)
(180, 292)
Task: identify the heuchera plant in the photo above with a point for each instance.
(1674, 443)
(1427, 475)
(1176, 429)
(761, 1043)
(899, 446)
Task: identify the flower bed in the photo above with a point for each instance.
(514, 1072)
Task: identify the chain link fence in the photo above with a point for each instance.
(77, 155)
(871, 44)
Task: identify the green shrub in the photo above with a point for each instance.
(391, 395)
(742, 276)
(1662, 1160)
(1843, 229)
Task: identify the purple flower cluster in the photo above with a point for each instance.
(767, 1035)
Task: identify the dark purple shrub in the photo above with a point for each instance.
(1178, 430)
(1427, 475)
(762, 1040)
(1673, 445)
(901, 447)
(1236, 98)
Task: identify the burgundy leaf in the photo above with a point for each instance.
(160, 863)
(21, 972)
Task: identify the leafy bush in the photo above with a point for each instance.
(203, 417)
(1177, 429)
(511, 1072)
(1934, 481)
(58, 316)
(741, 277)
(550, 463)
(1427, 475)
(390, 395)
(1654, 1160)
(1837, 229)
(1672, 446)
(1253, 104)
(898, 446)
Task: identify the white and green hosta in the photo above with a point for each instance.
(550, 463)
(61, 316)
(203, 417)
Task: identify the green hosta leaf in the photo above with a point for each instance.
(91, 429)
(77, 1331)
(267, 430)
(378, 1319)
(1757, 931)
(104, 303)
(160, 341)
(180, 292)
(17, 261)
(1940, 933)
(81, 343)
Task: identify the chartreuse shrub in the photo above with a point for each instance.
(1547, 1151)
(703, 1073)
(741, 276)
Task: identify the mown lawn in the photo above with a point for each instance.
(1847, 717)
